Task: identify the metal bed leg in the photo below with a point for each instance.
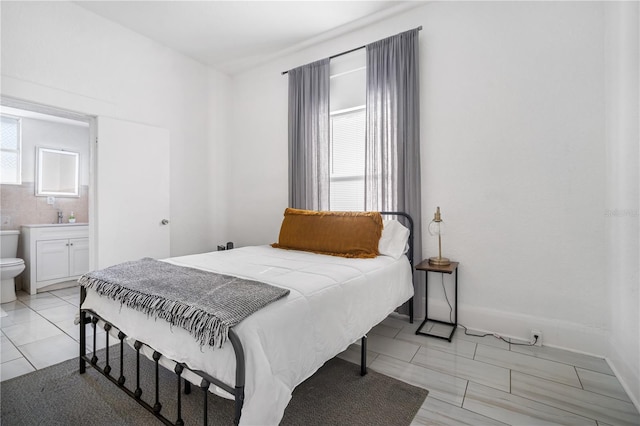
(363, 356)
(240, 374)
(178, 369)
(411, 310)
(83, 332)
(204, 385)
(156, 357)
(239, 404)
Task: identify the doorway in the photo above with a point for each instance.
(128, 186)
(31, 196)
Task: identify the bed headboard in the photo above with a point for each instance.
(408, 222)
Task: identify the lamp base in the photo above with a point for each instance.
(439, 261)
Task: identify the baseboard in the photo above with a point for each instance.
(566, 335)
(625, 375)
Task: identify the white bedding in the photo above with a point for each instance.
(333, 302)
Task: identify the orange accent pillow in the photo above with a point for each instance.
(345, 234)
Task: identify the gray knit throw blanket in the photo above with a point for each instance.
(204, 303)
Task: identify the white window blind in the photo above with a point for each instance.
(347, 160)
(10, 158)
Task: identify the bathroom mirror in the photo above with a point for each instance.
(57, 173)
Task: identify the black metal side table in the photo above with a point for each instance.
(451, 268)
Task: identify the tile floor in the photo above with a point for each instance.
(472, 380)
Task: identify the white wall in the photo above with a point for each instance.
(623, 186)
(59, 54)
(512, 150)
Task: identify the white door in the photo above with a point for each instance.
(132, 182)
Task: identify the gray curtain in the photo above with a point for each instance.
(392, 167)
(309, 136)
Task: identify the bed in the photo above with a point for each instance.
(333, 301)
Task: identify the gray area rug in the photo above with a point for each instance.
(335, 395)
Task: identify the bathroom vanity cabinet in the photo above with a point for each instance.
(54, 254)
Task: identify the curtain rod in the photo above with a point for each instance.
(348, 51)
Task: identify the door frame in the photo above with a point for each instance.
(55, 111)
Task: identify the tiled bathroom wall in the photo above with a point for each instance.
(19, 206)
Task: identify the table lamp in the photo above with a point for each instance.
(436, 227)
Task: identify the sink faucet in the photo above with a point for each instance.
(59, 216)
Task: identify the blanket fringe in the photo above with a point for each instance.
(206, 328)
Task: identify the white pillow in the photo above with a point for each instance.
(394, 239)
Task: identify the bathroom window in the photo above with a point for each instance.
(10, 153)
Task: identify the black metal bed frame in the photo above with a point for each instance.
(87, 316)
(409, 221)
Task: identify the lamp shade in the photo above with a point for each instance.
(436, 228)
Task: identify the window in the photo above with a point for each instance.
(347, 132)
(10, 155)
(346, 160)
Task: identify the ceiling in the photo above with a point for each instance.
(233, 36)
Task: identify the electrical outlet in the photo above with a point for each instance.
(535, 333)
(51, 200)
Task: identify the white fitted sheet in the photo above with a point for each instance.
(333, 302)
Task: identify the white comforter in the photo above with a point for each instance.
(333, 302)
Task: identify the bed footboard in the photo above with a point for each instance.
(87, 317)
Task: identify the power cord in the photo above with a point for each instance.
(466, 330)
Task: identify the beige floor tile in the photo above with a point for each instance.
(543, 368)
(72, 329)
(11, 306)
(50, 351)
(577, 401)
(458, 347)
(8, 351)
(572, 358)
(441, 386)
(21, 334)
(411, 328)
(59, 313)
(385, 330)
(15, 368)
(43, 301)
(66, 292)
(436, 412)
(19, 316)
(391, 347)
(397, 321)
(601, 383)
(73, 300)
(515, 410)
(464, 368)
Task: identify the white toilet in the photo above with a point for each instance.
(10, 266)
